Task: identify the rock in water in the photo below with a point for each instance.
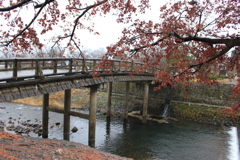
(74, 129)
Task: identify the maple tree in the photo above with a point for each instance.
(193, 36)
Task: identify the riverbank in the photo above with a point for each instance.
(16, 147)
(79, 100)
(187, 108)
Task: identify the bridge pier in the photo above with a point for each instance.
(67, 112)
(126, 99)
(92, 116)
(45, 114)
(67, 107)
(109, 101)
(145, 102)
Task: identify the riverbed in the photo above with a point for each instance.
(182, 140)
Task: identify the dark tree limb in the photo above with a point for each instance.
(34, 18)
(135, 50)
(22, 3)
(230, 42)
(43, 4)
(14, 6)
(199, 65)
(86, 9)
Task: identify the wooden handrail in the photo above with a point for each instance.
(67, 66)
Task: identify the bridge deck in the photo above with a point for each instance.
(20, 78)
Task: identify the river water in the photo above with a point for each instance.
(182, 140)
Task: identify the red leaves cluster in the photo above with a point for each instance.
(18, 147)
(191, 42)
(5, 135)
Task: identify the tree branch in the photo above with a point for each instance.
(22, 3)
(135, 50)
(81, 15)
(43, 4)
(199, 65)
(35, 17)
(14, 6)
(228, 42)
(138, 36)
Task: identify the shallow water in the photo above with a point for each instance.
(181, 140)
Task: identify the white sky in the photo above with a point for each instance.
(108, 28)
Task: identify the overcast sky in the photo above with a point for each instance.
(108, 28)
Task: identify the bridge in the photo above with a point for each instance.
(21, 78)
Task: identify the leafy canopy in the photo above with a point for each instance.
(185, 44)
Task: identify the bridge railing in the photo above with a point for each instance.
(21, 69)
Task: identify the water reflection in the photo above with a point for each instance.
(182, 140)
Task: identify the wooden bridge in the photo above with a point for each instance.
(20, 78)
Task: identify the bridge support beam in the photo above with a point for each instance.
(67, 107)
(92, 116)
(109, 101)
(145, 103)
(45, 115)
(125, 114)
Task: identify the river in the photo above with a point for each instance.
(182, 140)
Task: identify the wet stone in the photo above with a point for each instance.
(74, 129)
(1, 126)
(19, 129)
(10, 128)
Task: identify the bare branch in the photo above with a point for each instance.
(60, 38)
(34, 18)
(81, 15)
(43, 4)
(139, 36)
(80, 51)
(14, 6)
(22, 3)
(135, 50)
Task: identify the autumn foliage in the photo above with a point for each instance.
(16, 147)
(189, 42)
